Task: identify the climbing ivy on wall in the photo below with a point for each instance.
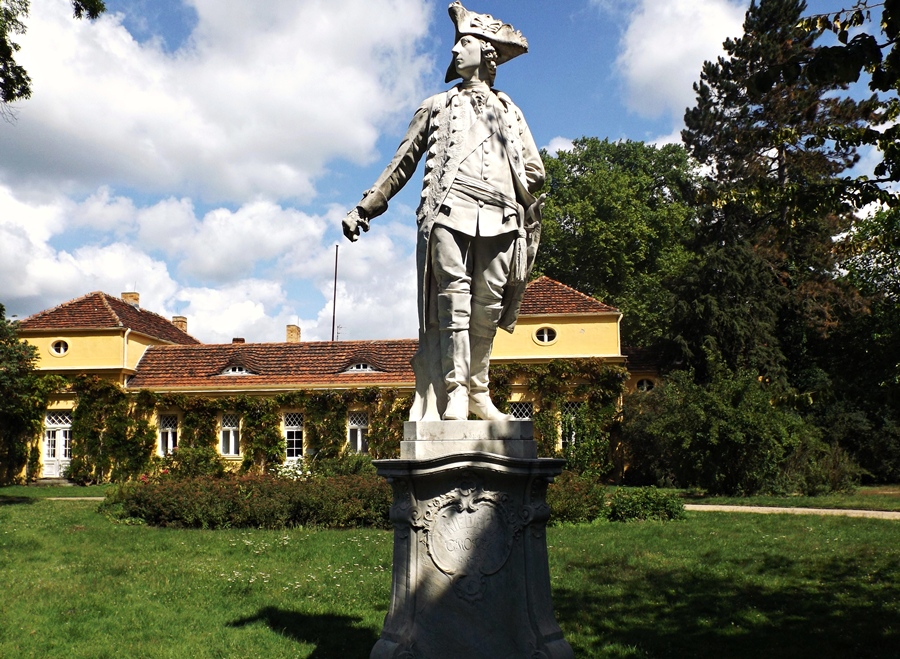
(113, 438)
(597, 386)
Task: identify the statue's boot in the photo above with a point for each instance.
(454, 310)
(455, 364)
(480, 403)
(485, 316)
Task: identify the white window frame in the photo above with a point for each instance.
(57, 442)
(293, 436)
(569, 411)
(522, 409)
(230, 446)
(358, 431)
(168, 433)
(542, 335)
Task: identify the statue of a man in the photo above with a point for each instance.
(479, 223)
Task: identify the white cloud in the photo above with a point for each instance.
(664, 47)
(257, 102)
(558, 144)
(228, 245)
(249, 309)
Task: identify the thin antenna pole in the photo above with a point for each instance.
(334, 299)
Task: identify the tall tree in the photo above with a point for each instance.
(23, 401)
(764, 291)
(617, 218)
(15, 84)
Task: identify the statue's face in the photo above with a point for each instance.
(467, 56)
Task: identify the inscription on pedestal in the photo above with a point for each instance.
(469, 533)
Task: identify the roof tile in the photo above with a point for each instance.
(548, 296)
(275, 364)
(99, 310)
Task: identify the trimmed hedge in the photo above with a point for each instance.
(256, 501)
(642, 503)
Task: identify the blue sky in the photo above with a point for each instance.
(203, 152)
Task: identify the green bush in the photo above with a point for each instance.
(642, 503)
(192, 461)
(728, 437)
(574, 497)
(255, 501)
(345, 464)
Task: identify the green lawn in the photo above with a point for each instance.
(714, 585)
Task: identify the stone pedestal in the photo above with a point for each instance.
(470, 575)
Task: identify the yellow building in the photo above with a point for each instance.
(115, 339)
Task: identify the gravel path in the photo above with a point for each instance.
(878, 514)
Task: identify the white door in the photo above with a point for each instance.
(57, 444)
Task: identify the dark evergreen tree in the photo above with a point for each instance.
(764, 290)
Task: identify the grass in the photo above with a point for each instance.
(32, 492)
(715, 585)
(885, 497)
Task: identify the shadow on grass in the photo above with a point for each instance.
(7, 500)
(333, 635)
(835, 609)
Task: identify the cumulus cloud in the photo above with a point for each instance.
(558, 144)
(664, 47)
(256, 103)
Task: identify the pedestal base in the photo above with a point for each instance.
(470, 576)
(424, 440)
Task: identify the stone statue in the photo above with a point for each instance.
(478, 219)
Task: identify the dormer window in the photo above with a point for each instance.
(236, 370)
(360, 367)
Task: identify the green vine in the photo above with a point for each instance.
(114, 440)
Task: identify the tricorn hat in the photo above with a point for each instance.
(508, 41)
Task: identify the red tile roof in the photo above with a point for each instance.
(548, 296)
(276, 364)
(98, 310)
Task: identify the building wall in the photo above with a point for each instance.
(594, 335)
(87, 350)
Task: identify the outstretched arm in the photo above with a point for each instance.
(393, 178)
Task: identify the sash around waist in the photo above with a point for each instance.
(480, 191)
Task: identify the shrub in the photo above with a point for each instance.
(574, 497)
(193, 461)
(255, 501)
(345, 464)
(642, 503)
(727, 437)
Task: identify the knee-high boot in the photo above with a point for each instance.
(480, 403)
(454, 310)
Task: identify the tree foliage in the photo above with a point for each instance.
(727, 436)
(23, 402)
(615, 224)
(764, 290)
(15, 85)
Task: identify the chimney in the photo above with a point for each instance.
(132, 298)
(293, 334)
(237, 340)
(180, 322)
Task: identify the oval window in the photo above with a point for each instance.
(645, 385)
(545, 335)
(59, 348)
